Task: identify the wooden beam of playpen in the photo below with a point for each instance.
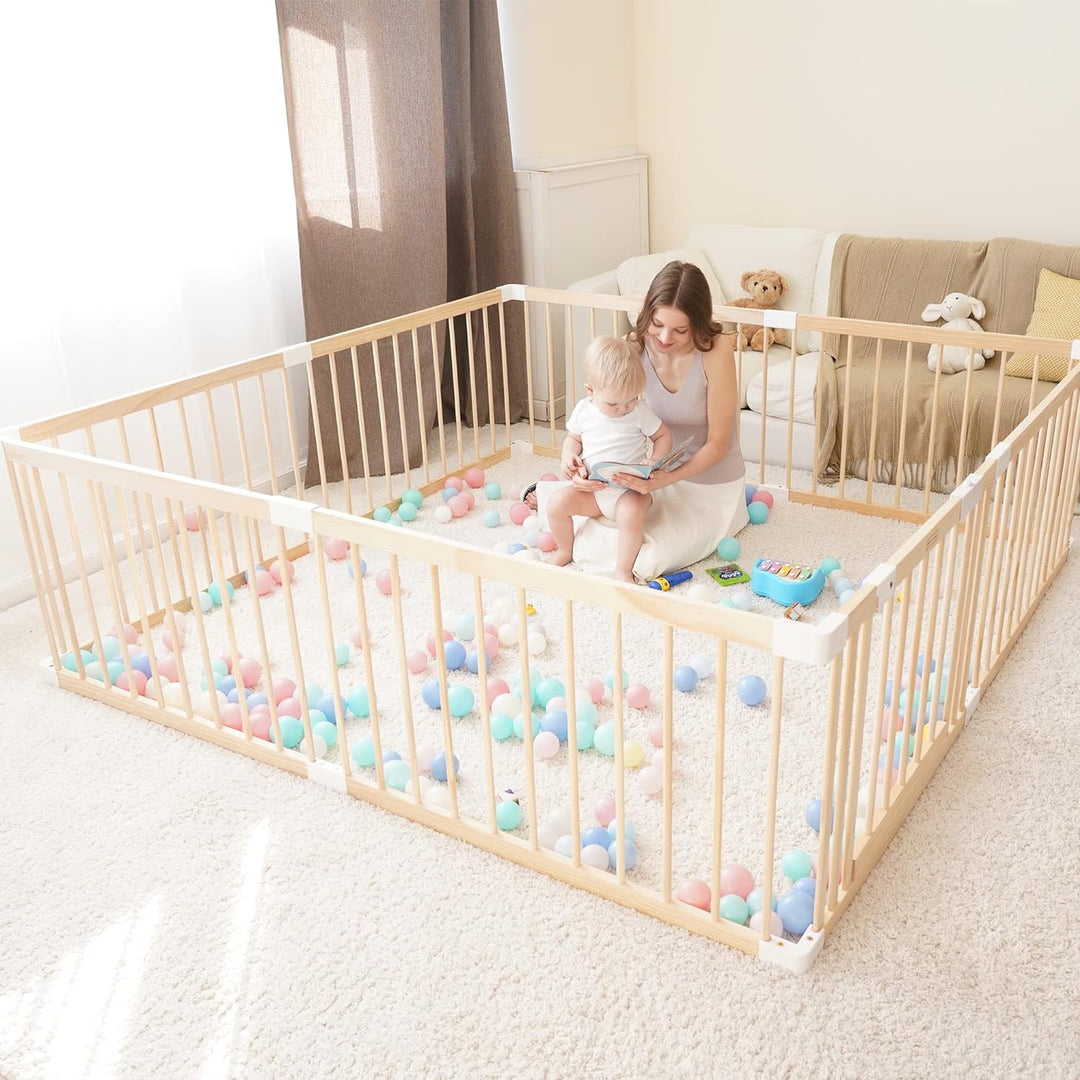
(571, 732)
(871, 453)
(505, 362)
(171, 518)
(403, 663)
(455, 386)
(526, 716)
(720, 723)
(482, 687)
(617, 695)
(772, 790)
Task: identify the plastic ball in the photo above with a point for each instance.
(595, 855)
(807, 885)
(496, 687)
(776, 927)
(461, 700)
(637, 696)
(604, 738)
(829, 564)
(443, 514)
(546, 689)
(167, 668)
(437, 796)
(205, 603)
(729, 548)
(472, 660)
(396, 774)
(796, 864)
(761, 495)
(275, 571)
(586, 710)
(325, 730)
(140, 661)
(335, 549)
(458, 506)
(474, 477)
(735, 878)
(381, 514)
(438, 765)
(595, 689)
(383, 582)
(363, 751)
(555, 721)
(513, 549)
(406, 511)
(264, 582)
(742, 599)
(138, 680)
(508, 704)
(609, 681)
(796, 911)
(430, 693)
(751, 689)
(491, 518)
(755, 900)
(758, 513)
(509, 633)
(455, 482)
(446, 636)
(291, 706)
(733, 908)
(586, 733)
(193, 520)
(416, 660)
(655, 733)
(633, 753)
(449, 492)
(413, 497)
(629, 853)
(356, 636)
(700, 594)
(519, 725)
(813, 814)
(493, 491)
(454, 655)
(629, 828)
(546, 542)
(536, 643)
(604, 810)
(508, 815)
(684, 678)
(167, 640)
(261, 726)
(519, 511)
(292, 731)
(546, 745)
(844, 596)
(502, 726)
(695, 893)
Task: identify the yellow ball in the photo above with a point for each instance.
(633, 753)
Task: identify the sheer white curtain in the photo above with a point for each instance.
(147, 214)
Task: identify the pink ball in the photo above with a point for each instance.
(250, 671)
(546, 745)
(137, 677)
(226, 659)
(193, 520)
(416, 660)
(167, 638)
(490, 628)
(424, 755)
(595, 689)
(335, 549)
(474, 477)
(496, 686)
(128, 633)
(231, 718)
(696, 893)
(446, 636)
(458, 505)
(651, 780)
(264, 582)
(549, 476)
(655, 733)
(283, 688)
(454, 482)
(546, 542)
(382, 582)
(763, 497)
(166, 666)
(491, 645)
(637, 696)
(519, 511)
(260, 724)
(275, 571)
(356, 636)
(468, 497)
(735, 878)
(290, 706)
(604, 810)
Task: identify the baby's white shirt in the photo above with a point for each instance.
(612, 438)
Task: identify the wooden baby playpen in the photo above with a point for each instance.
(130, 509)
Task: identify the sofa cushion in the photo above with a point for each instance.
(734, 249)
(635, 275)
(1056, 315)
(780, 401)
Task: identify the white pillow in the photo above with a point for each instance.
(635, 275)
(779, 394)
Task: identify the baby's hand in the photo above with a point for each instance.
(574, 466)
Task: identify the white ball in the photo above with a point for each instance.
(508, 633)
(537, 627)
(547, 834)
(320, 744)
(425, 786)
(701, 593)
(443, 514)
(200, 703)
(502, 547)
(503, 609)
(531, 522)
(537, 643)
(564, 845)
(595, 855)
(437, 795)
(742, 600)
(776, 925)
(527, 555)
(174, 694)
(703, 664)
(559, 820)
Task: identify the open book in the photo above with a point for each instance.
(604, 470)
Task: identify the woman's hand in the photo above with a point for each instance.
(642, 485)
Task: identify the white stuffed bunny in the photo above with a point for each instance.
(959, 312)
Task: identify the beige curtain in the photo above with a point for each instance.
(404, 192)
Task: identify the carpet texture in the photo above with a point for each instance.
(171, 909)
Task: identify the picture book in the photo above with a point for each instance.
(605, 470)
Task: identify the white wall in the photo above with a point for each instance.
(918, 119)
(570, 80)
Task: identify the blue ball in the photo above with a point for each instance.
(751, 491)
(685, 678)
(807, 885)
(226, 684)
(751, 688)
(390, 755)
(597, 834)
(519, 725)
(381, 513)
(629, 849)
(257, 699)
(454, 653)
(513, 549)
(919, 664)
(796, 911)
(556, 722)
(141, 662)
(491, 518)
(325, 704)
(430, 693)
(758, 513)
(448, 493)
(472, 660)
(438, 765)
(813, 814)
(493, 491)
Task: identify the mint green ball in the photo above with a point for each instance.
(341, 654)
(110, 646)
(604, 738)
(461, 700)
(68, 660)
(359, 702)
(381, 514)
(363, 752)
(519, 725)
(729, 548)
(292, 731)
(733, 907)
(493, 491)
(326, 731)
(396, 774)
(215, 592)
(547, 689)
(115, 668)
(829, 564)
(406, 511)
(797, 864)
(508, 815)
(502, 726)
(413, 497)
(610, 677)
(585, 734)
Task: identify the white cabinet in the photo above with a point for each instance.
(575, 221)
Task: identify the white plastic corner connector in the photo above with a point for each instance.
(778, 318)
(10, 434)
(295, 355)
(1000, 455)
(777, 491)
(883, 578)
(521, 448)
(971, 701)
(793, 956)
(969, 493)
(292, 513)
(1074, 353)
(512, 292)
(811, 644)
(331, 776)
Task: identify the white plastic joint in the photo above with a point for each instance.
(295, 355)
(811, 644)
(512, 292)
(971, 701)
(777, 491)
(1000, 455)
(1074, 354)
(292, 513)
(796, 956)
(331, 776)
(883, 578)
(778, 318)
(969, 493)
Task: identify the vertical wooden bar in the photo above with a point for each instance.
(436, 361)
(317, 425)
(825, 832)
(912, 666)
(898, 478)
(879, 712)
(343, 454)
(387, 469)
(125, 449)
(718, 773)
(444, 697)
(550, 371)
(764, 407)
(216, 446)
(471, 350)
(358, 397)
(856, 753)
(529, 371)
(245, 458)
(871, 453)
(571, 731)
(847, 413)
(838, 818)
(403, 667)
(290, 423)
(482, 693)
(451, 330)
(421, 423)
(669, 734)
(505, 374)
(526, 708)
(791, 415)
(170, 517)
(961, 467)
(401, 412)
(929, 480)
(772, 787)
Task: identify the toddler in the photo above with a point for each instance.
(610, 423)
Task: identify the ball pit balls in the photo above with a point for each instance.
(729, 548)
(508, 815)
(629, 828)
(609, 680)
(454, 655)
(813, 814)
(758, 513)
(751, 689)
(362, 751)
(684, 678)
(381, 513)
(461, 700)
(596, 856)
(458, 506)
(474, 477)
(736, 879)
(637, 696)
(472, 660)
(776, 927)
(700, 594)
(555, 721)
(595, 689)
(546, 689)
(502, 726)
(397, 774)
(215, 591)
(546, 745)
(604, 810)
(796, 864)
(496, 687)
(383, 582)
(205, 603)
(519, 725)
(438, 765)
(734, 909)
(695, 893)
(193, 520)
(416, 660)
(430, 694)
(829, 564)
(292, 731)
(531, 537)
(513, 549)
(324, 729)
(585, 735)
(604, 738)
(491, 518)
(492, 491)
(751, 491)
(140, 661)
(341, 654)
(763, 496)
(586, 710)
(275, 571)
(703, 664)
(755, 900)
(443, 514)
(519, 511)
(138, 680)
(536, 643)
(335, 549)
(406, 511)
(509, 704)
(595, 834)
(629, 853)
(167, 669)
(413, 497)
(633, 753)
(796, 911)
(807, 885)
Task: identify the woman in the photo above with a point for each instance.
(691, 385)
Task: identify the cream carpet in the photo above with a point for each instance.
(173, 910)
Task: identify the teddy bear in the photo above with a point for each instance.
(765, 288)
(959, 312)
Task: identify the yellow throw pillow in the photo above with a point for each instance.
(1056, 315)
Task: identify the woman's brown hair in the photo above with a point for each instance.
(680, 285)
